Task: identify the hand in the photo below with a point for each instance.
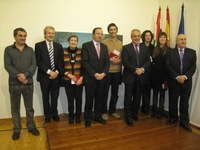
(25, 82)
(53, 75)
(72, 77)
(21, 77)
(99, 76)
(139, 71)
(115, 59)
(181, 79)
(80, 81)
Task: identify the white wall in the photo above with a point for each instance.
(83, 16)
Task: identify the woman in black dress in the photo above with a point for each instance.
(159, 75)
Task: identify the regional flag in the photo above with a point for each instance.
(167, 28)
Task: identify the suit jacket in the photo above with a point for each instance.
(43, 60)
(173, 63)
(129, 61)
(92, 64)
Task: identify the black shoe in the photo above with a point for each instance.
(186, 127)
(100, 120)
(87, 124)
(56, 118)
(135, 117)
(16, 136)
(47, 120)
(129, 122)
(159, 117)
(34, 131)
(171, 121)
(71, 120)
(153, 114)
(145, 112)
(78, 120)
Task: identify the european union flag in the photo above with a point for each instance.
(181, 29)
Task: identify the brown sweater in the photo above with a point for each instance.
(114, 44)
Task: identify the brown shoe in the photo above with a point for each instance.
(104, 116)
(116, 115)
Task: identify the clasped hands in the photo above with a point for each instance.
(22, 78)
(99, 76)
(139, 71)
(53, 75)
(181, 79)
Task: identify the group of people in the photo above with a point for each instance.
(98, 66)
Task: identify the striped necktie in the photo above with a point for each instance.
(51, 56)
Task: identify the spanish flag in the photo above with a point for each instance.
(167, 28)
(158, 24)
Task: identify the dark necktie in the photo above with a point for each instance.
(137, 54)
(51, 56)
(181, 60)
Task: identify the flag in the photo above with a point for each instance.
(167, 28)
(181, 29)
(158, 24)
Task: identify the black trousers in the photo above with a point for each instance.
(50, 91)
(132, 99)
(146, 96)
(74, 94)
(114, 80)
(183, 91)
(94, 96)
(161, 100)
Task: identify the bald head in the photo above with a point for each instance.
(181, 40)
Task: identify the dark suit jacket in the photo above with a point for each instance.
(92, 64)
(43, 60)
(129, 61)
(173, 63)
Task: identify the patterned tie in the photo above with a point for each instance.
(137, 54)
(181, 59)
(98, 49)
(51, 56)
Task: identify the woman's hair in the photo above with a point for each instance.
(158, 50)
(72, 36)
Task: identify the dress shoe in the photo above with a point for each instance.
(87, 124)
(129, 122)
(145, 112)
(16, 136)
(105, 116)
(71, 121)
(34, 131)
(47, 120)
(153, 114)
(100, 120)
(56, 118)
(171, 121)
(78, 120)
(115, 115)
(135, 117)
(186, 127)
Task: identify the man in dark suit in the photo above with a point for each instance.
(136, 60)
(49, 56)
(96, 63)
(181, 65)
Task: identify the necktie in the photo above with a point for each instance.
(181, 60)
(98, 49)
(137, 54)
(51, 56)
